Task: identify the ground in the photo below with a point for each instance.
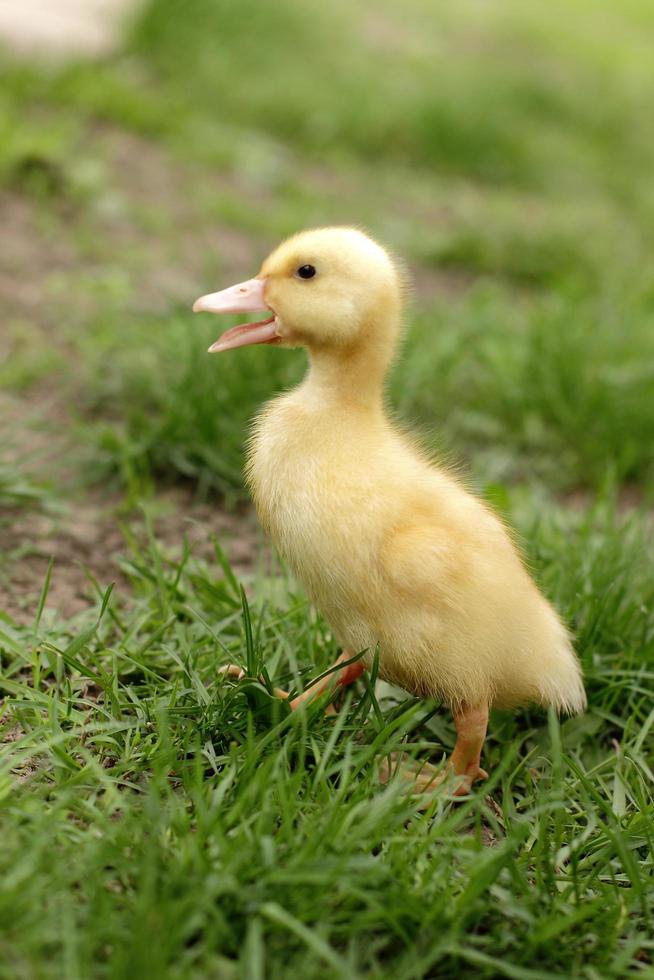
(158, 820)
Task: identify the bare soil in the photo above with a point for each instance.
(87, 540)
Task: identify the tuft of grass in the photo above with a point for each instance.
(554, 389)
(168, 408)
(160, 820)
(17, 487)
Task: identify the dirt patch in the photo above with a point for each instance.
(31, 251)
(120, 225)
(628, 498)
(157, 189)
(88, 539)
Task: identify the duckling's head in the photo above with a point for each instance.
(332, 290)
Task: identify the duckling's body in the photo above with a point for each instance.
(397, 555)
(394, 551)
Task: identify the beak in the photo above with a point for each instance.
(244, 297)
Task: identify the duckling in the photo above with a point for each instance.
(397, 555)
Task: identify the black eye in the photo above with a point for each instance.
(306, 271)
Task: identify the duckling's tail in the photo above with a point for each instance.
(563, 687)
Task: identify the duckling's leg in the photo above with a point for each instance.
(341, 678)
(462, 768)
(471, 725)
(237, 673)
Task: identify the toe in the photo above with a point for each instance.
(236, 673)
(420, 776)
(232, 670)
(463, 786)
(388, 766)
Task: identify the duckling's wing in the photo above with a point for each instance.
(427, 565)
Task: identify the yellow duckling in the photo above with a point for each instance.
(395, 553)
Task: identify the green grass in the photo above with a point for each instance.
(169, 824)
(159, 823)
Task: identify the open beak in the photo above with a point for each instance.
(244, 297)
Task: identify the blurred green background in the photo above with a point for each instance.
(504, 149)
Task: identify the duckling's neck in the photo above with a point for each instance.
(354, 378)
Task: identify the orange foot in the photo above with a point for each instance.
(423, 778)
(459, 772)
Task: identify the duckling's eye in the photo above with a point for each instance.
(306, 271)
